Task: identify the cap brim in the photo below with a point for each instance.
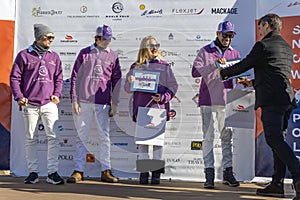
(229, 31)
(108, 38)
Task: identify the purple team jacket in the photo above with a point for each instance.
(167, 87)
(96, 77)
(35, 78)
(212, 88)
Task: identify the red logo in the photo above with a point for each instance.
(240, 107)
(69, 37)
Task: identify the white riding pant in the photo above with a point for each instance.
(83, 121)
(49, 116)
(208, 129)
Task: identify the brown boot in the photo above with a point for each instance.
(75, 177)
(107, 176)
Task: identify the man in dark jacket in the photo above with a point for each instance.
(272, 59)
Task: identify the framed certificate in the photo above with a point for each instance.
(230, 63)
(145, 81)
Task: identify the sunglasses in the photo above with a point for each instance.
(228, 35)
(154, 45)
(50, 37)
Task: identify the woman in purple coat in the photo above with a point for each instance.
(149, 60)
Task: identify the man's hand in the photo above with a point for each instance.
(221, 60)
(23, 101)
(76, 108)
(245, 82)
(54, 99)
(113, 110)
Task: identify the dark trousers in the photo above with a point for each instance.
(273, 123)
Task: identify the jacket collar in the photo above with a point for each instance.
(212, 45)
(93, 47)
(30, 49)
(271, 34)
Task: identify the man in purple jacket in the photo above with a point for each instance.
(95, 88)
(212, 99)
(36, 83)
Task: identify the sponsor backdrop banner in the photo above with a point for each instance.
(289, 13)
(74, 26)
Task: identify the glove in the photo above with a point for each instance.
(113, 110)
(76, 108)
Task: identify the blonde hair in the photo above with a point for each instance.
(145, 53)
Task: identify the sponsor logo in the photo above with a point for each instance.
(39, 12)
(172, 114)
(226, 11)
(65, 113)
(240, 108)
(165, 53)
(62, 128)
(90, 158)
(199, 38)
(120, 144)
(172, 160)
(171, 36)
(83, 9)
(150, 12)
(65, 157)
(196, 145)
(187, 11)
(117, 8)
(173, 143)
(41, 127)
(67, 53)
(42, 141)
(65, 143)
(195, 161)
(69, 39)
(296, 3)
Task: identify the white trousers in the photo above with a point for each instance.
(83, 121)
(49, 116)
(143, 151)
(208, 122)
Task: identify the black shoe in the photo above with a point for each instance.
(155, 179)
(55, 179)
(228, 178)
(272, 189)
(209, 177)
(144, 178)
(32, 178)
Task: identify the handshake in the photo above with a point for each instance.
(221, 63)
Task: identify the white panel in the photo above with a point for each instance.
(7, 10)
